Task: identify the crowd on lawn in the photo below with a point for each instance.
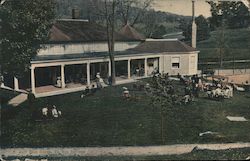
(215, 89)
(193, 86)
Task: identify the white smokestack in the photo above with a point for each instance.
(194, 27)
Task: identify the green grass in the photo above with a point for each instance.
(237, 46)
(6, 95)
(105, 119)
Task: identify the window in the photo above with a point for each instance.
(175, 62)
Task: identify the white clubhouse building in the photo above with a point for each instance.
(78, 50)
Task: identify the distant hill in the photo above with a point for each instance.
(237, 44)
(168, 20)
(237, 47)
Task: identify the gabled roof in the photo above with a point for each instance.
(163, 45)
(131, 33)
(75, 30)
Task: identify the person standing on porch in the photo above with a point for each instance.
(98, 81)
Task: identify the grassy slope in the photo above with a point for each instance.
(6, 95)
(237, 44)
(107, 120)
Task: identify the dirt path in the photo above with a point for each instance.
(117, 151)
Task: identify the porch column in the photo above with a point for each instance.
(109, 68)
(16, 84)
(129, 74)
(33, 86)
(161, 64)
(62, 76)
(88, 74)
(146, 67)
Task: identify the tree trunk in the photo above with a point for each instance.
(113, 43)
(162, 127)
(113, 69)
(110, 27)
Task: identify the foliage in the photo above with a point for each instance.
(159, 31)
(163, 95)
(130, 11)
(234, 13)
(203, 29)
(139, 16)
(236, 47)
(25, 25)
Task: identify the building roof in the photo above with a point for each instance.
(131, 33)
(75, 30)
(163, 45)
(166, 46)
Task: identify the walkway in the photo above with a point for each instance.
(117, 151)
(18, 99)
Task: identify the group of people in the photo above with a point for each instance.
(50, 112)
(192, 87)
(218, 90)
(99, 84)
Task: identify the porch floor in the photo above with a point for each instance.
(51, 90)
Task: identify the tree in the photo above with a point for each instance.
(132, 10)
(106, 10)
(110, 25)
(24, 27)
(163, 95)
(235, 14)
(150, 24)
(159, 32)
(203, 29)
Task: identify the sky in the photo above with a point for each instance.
(184, 7)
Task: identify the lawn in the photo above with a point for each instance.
(106, 119)
(237, 46)
(6, 95)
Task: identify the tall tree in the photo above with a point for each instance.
(131, 10)
(164, 99)
(234, 13)
(106, 11)
(24, 27)
(110, 9)
(203, 29)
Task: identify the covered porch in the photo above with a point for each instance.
(49, 79)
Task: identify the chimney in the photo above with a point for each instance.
(194, 27)
(75, 13)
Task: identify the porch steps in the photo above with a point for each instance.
(18, 99)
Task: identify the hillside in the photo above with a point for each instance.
(237, 45)
(150, 23)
